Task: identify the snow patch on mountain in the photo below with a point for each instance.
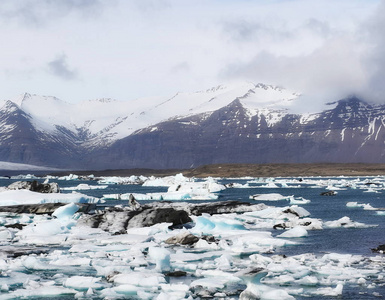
(103, 121)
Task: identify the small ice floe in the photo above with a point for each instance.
(346, 222)
(294, 233)
(66, 211)
(83, 283)
(84, 186)
(269, 197)
(20, 197)
(366, 206)
(329, 291)
(270, 185)
(371, 190)
(298, 200)
(334, 188)
(236, 185)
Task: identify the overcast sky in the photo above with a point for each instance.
(125, 49)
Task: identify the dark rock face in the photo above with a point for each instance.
(35, 186)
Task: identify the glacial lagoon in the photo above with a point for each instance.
(284, 248)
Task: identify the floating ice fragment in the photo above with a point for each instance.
(143, 279)
(83, 283)
(294, 232)
(83, 187)
(161, 256)
(298, 200)
(66, 211)
(346, 222)
(269, 197)
(366, 206)
(207, 223)
(328, 291)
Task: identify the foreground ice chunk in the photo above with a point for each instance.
(83, 283)
(207, 223)
(39, 292)
(20, 197)
(66, 211)
(328, 291)
(161, 256)
(144, 279)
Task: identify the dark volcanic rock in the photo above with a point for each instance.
(117, 220)
(35, 186)
(221, 207)
(328, 193)
(44, 208)
(15, 226)
(176, 274)
(379, 249)
(184, 238)
(152, 216)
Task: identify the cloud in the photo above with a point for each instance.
(335, 67)
(39, 12)
(60, 68)
(373, 37)
(317, 56)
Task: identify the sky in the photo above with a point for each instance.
(126, 49)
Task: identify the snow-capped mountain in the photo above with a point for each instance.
(240, 123)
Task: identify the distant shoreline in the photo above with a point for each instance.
(241, 170)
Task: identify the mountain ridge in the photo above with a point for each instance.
(245, 123)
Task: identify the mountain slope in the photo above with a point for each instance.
(352, 131)
(243, 123)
